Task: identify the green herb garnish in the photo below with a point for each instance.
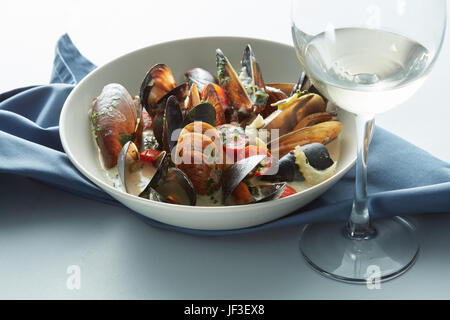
(255, 191)
(261, 98)
(124, 138)
(221, 63)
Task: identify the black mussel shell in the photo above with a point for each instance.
(174, 120)
(203, 112)
(177, 184)
(317, 155)
(254, 75)
(200, 77)
(159, 124)
(172, 186)
(237, 172)
(158, 130)
(163, 167)
(287, 170)
(180, 93)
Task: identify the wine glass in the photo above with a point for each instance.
(366, 56)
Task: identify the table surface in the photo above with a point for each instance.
(44, 231)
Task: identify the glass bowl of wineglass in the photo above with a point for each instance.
(366, 56)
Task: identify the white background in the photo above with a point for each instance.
(44, 230)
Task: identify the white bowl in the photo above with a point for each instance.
(278, 63)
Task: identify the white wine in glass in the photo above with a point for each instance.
(366, 57)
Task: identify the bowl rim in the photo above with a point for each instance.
(110, 189)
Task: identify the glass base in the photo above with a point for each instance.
(388, 254)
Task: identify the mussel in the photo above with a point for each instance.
(198, 154)
(246, 90)
(212, 94)
(167, 128)
(173, 122)
(193, 98)
(293, 111)
(200, 77)
(315, 118)
(156, 88)
(274, 95)
(180, 92)
(157, 83)
(154, 181)
(203, 112)
(175, 187)
(289, 89)
(317, 166)
(323, 133)
(282, 91)
(245, 190)
(134, 174)
(310, 162)
(178, 95)
(236, 92)
(116, 117)
(252, 79)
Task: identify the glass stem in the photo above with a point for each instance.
(358, 226)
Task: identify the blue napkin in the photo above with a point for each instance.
(403, 179)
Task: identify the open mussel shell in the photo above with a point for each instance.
(237, 172)
(271, 191)
(211, 95)
(193, 97)
(136, 175)
(200, 77)
(236, 92)
(253, 77)
(180, 93)
(115, 117)
(174, 121)
(294, 111)
(157, 83)
(160, 129)
(317, 155)
(174, 187)
(171, 185)
(154, 181)
(127, 156)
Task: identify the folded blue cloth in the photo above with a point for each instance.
(403, 179)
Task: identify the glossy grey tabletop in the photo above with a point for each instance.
(45, 232)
